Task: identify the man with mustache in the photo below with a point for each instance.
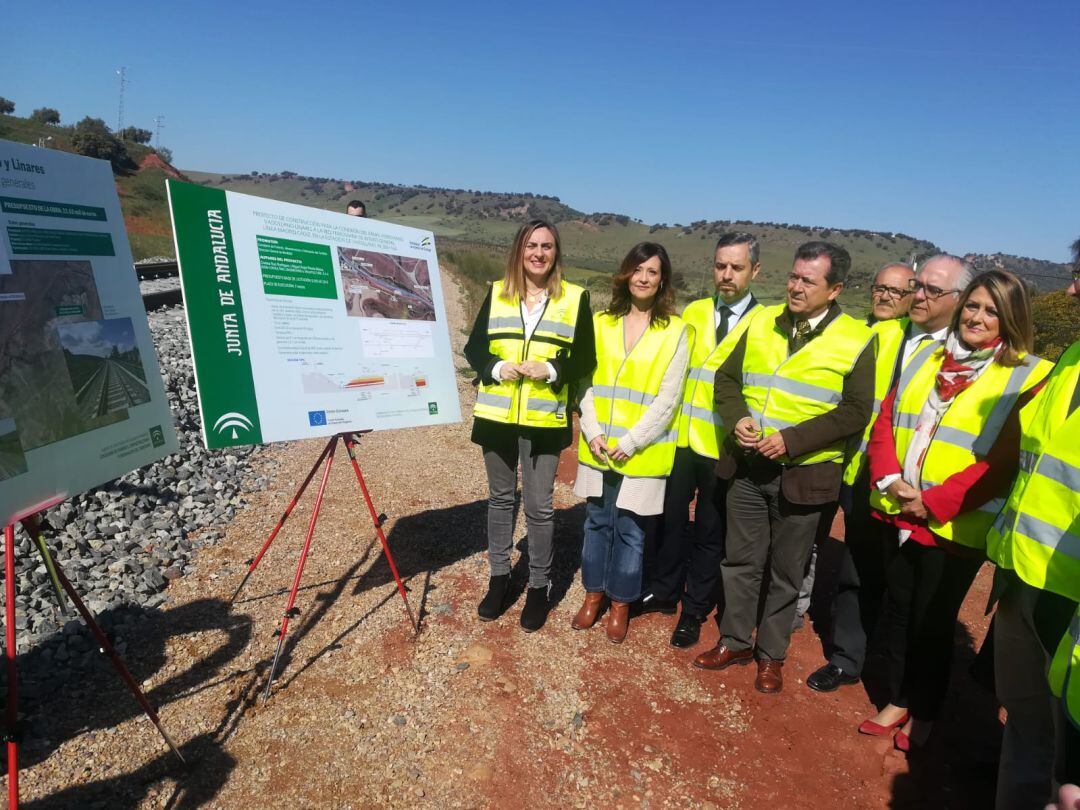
(797, 386)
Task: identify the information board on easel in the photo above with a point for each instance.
(307, 323)
(79, 378)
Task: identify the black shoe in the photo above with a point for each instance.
(535, 612)
(687, 631)
(494, 602)
(650, 604)
(829, 678)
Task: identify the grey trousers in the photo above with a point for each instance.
(764, 529)
(537, 484)
(1032, 742)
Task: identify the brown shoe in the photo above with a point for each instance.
(590, 609)
(618, 621)
(770, 678)
(720, 656)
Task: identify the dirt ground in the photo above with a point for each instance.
(466, 714)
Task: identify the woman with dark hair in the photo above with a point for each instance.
(530, 345)
(942, 454)
(628, 431)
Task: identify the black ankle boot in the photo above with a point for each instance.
(535, 611)
(494, 603)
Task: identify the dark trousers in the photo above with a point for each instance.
(926, 587)
(860, 582)
(764, 530)
(689, 561)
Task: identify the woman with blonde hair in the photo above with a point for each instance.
(942, 454)
(531, 343)
(628, 431)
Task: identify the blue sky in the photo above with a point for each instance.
(955, 122)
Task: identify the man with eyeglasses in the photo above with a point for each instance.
(860, 582)
(890, 294)
(1035, 543)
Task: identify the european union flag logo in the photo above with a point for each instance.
(316, 418)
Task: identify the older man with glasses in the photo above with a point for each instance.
(891, 293)
(934, 293)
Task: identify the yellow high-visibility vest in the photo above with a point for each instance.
(624, 386)
(966, 432)
(524, 401)
(890, 343)
(783, 390)
(1064, 675)
(700, 427)
(1037, 534)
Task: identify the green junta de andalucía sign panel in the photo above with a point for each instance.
(305, 323)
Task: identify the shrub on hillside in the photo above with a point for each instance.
(7, 106)
(136, 134)
(93, 139)
(1055, 315)
(45, 115)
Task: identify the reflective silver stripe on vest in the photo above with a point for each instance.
(1062, 472)
(494, 400)
(565, 330)
(905, 420)
(913, 364)
(505, 323)
(1074, 632)
(1004, 521)
(993, 506)
(1028, 460)
(623, 393)
(615, 431)
(705, 415)
(956, 437)
(817, 393)
(544, 405)
(1004, 406)
(1049, 535)
(700, 374)
(927, 484)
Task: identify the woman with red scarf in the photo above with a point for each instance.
(942, 454)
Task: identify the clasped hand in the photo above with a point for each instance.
(533, 369)
(748, 435)
(911, 502)
(600, 449)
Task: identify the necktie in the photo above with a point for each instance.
(802, 334)
(722, 327)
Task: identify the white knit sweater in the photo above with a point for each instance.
(643, 496)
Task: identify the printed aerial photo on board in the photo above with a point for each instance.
(380, 285)
(39, 301)
(12, 458)
(104, 365)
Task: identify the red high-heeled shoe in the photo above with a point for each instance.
(902, 742)
(878, 730)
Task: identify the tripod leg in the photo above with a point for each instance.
(253, 563)
(114, 657)
(33, 528)
(350, 444)
(289, 608)
(12, 671)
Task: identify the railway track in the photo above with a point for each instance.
(160, 284)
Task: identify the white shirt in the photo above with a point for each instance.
(915, 340)
(531, 319)
(738, 309)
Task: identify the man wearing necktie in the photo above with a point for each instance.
(685, 568)
(902, 343)
(797, 385)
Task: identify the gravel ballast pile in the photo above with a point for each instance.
(122, 543)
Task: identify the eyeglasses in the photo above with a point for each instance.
(894, 292)
(930, 291)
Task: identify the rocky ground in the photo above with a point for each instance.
(365, 713)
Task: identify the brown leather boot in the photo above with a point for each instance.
(618, 622)
(590, 609)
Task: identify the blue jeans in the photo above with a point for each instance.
(614, 542)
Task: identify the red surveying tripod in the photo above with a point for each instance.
(327, 455)
(62, 586)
